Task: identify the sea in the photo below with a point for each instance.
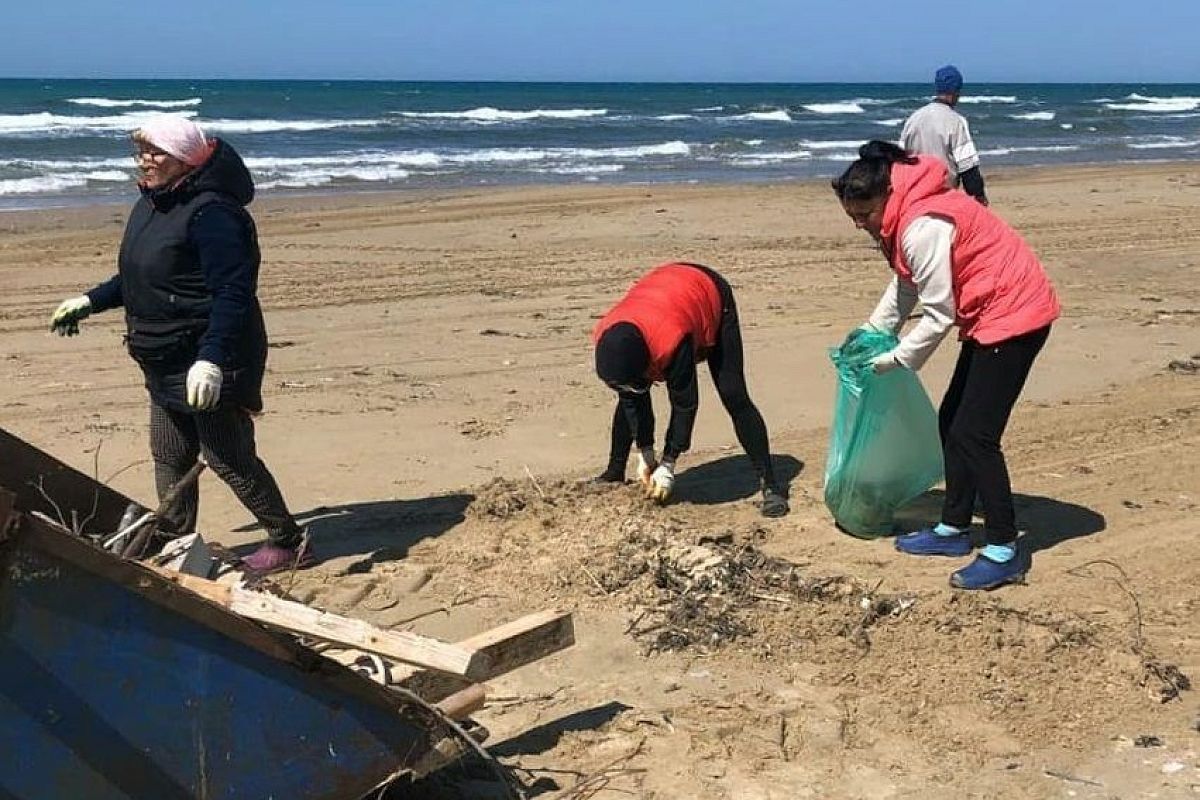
(66, 142)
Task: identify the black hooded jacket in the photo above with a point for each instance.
(188, 281)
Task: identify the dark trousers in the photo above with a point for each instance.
(974, 413)
(727, 366)
(226, 439)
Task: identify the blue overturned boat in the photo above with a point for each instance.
(117, 684)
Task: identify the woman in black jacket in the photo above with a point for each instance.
(187, 278)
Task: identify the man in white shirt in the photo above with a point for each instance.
(938, 130)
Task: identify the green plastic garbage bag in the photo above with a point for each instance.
(884, 449)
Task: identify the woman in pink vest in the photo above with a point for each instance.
(674, 317)
(969, 269)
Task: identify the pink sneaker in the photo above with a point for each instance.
(271, 558)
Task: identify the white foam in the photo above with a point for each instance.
(753, 142)
(674, 117)
(275, 125)
(988, 98)
(583, 169)
(778, 115)
(1156, 105)
(1066, 126)
(45, 122)
(708, 108)
(834, 144)
(44, 184)
(1164, 143)
(849, 107)
(754, 159)
(105, 102)
(487, 114)
(1034, 116)
(1004, 151)
(321, 177)
(890, 123)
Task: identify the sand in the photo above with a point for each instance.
(430, 405)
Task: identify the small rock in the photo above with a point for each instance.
(1147, 740)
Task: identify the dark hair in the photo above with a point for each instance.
(871, 176)
(622, 357)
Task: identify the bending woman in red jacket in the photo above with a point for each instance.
(968, 268)
(671, 319)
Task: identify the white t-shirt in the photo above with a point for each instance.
(926, 243)
(938, 130)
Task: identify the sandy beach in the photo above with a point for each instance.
(431, 404)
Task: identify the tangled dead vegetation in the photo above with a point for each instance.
(707, 594)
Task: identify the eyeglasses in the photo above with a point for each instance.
(150, 153)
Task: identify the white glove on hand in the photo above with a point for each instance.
(65, 321)
(885, 362)
(646, 462)
(203, 385)
(662, 481)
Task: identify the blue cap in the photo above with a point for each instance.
(947, 80)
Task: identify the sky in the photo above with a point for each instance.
(606, 40)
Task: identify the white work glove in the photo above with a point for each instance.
(646, 462)
(203, 385)
(662, 481)
(885, 362)
(65, 321)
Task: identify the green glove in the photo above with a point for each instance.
(65, 321)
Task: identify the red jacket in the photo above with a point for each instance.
(669, 303)
(1000, 287)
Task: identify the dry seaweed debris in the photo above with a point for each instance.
(703, 596)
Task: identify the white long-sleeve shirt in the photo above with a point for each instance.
(926, 243)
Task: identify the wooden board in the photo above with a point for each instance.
(469, 663)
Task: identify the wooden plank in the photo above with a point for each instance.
(507, 647)
(420, 651)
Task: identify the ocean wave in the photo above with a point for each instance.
(60, 182)
(849, 107)
(45, 122)
(1156, 105)
(708, 108)
(778, 115)
(753, 142)
(1005, 151)
(582, 169)
(890, 123)
(755, 159)
(834, 144)
(987, 98)
(1164, 143)
(64, 164)
(320, 177)
(1034, 116)
(487, 114)
(674, 117)
(277, 125)
(105, 102)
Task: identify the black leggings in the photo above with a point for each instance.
(226, 438)
(727, 366)
(974, 413)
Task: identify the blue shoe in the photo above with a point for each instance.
(984, 573)
(926, 542)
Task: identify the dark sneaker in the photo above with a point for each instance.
(608, 476)
(984, 573)
(927, 542)
(774, 504)
(271, 558)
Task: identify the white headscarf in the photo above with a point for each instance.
(177, 136)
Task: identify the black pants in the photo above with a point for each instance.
(974, 413)
(226, 438)
(727, 366)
